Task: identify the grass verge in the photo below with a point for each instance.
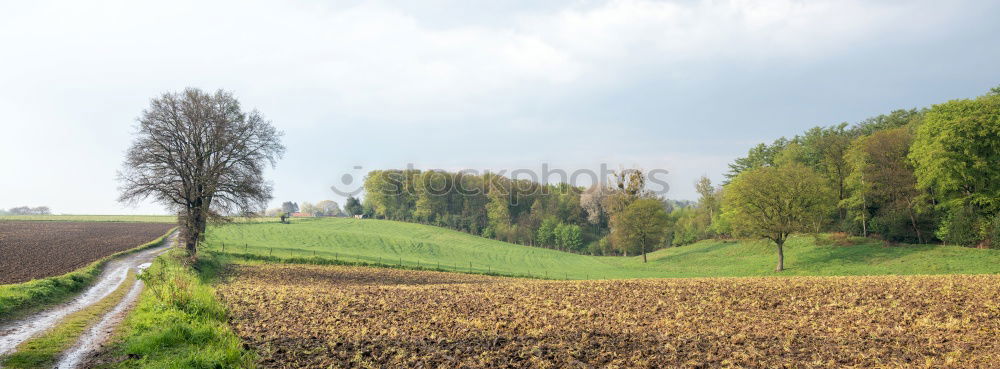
(17, 300)
(400, 264)
(44, 350)
(383, 242)
(178, 321)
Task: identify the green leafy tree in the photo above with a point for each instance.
(546, 235)
(759, 156)
(353, 206)
(825, 149)
(327, 208)
(895, 119)
(391, 193)
(432, 200)
(640, 227)
(308, 208)
(774, 202)
(709, 200)
(883, 186)
(570, 236)
(955, 156)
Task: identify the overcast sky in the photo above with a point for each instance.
(684, 86)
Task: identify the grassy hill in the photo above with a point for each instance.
(389, 242)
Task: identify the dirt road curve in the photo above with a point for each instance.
(114, 274)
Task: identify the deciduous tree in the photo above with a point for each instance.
(774, 202)
(202, 155)
(290, 207)
(353, 206)
(955, 156)
(641, 226)
(882, 181)
(328, 208)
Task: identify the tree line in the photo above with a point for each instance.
(621, 219)
(27, 210)
(324, 208)
(915, 176)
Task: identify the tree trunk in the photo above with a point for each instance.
(191, 245)
(913, 221)
(194, 226)
(781, 256)
(864, 223)
(864, 209)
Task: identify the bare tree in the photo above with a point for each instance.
(203, 156)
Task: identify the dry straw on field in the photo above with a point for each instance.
(308, 316)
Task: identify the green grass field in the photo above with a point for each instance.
(389, 242)
(94, 218)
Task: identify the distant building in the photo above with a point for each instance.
(301, 215)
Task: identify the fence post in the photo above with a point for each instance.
(470, 267)
(270, 250)
(223, 247)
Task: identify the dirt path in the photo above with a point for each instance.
(94, 338)
(114, 274)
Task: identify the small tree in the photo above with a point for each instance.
(203, 156)
(308, 208)
(353, 206)
(327, 208)
(774, 202)
(641, 226)
(290, 207)
(546, 234)
(570, 236)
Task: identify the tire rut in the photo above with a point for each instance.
(114, 274)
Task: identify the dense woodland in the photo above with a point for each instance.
(911, 176)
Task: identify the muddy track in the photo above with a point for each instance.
(92, 340)
(115, 272)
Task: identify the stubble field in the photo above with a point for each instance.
(33, 250)
(319, 317)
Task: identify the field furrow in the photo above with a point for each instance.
(317, 317)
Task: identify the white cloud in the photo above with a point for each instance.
(401, 85)
(372, 60)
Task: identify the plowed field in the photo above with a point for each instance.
(32, 250)
(319, 317)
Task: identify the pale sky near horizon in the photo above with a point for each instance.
(685, 86)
